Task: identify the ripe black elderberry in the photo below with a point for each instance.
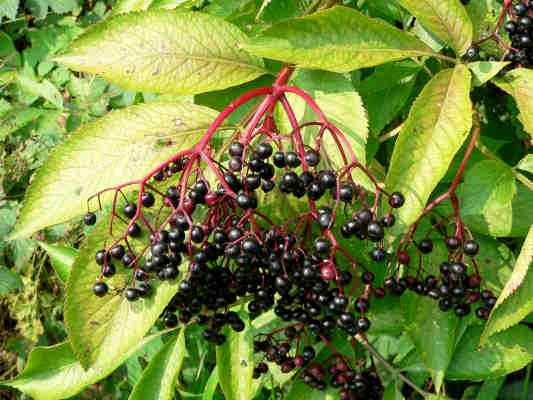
(396, 200)
(89, 219)
(100, 289)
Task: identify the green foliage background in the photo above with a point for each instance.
(42, 102)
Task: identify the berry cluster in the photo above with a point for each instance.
(205, 216)
(520, 30)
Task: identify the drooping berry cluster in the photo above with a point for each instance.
(205, 217)
(520, 30)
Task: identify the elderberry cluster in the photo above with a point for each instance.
(520, 31)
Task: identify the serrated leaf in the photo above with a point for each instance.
(386, 91)
(165, 52)
(505, 352)
(100, 327)
(159, 378)
(492, 202)
(433, 333)
(447, 19)
(54, 373)
(235, 364)
(9, 281)
(437, 125)
(118, 147)
(61, 257)
(526, 164)
(483, 71)
(516, 299)
(339, 39)
(519, 84)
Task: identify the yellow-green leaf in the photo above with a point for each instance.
(339, 39)
(437, 125)
(165, 52)
(519, 84)
(516, 299)
(121, 146)
(447, 19)
(158, 380)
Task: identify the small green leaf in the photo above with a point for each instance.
(17, 118)
(54, 373)
(519, 84)
(526, 164)
(491, 200)
(125, 6)
(9, 281)
(235, 364)
(504, 353)
(490, 389)
(447, 19)
(117, 148)
(165, 52)
(300, 390)
(102, 327)
(433, 332)
(44, 89)
(159, 378)
(438, 123)
(516, 299)
(61, 258)
(484, 71)
(8, 8)
(339, 39)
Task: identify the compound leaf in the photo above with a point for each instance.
(159, 378)
(54, 373)
(504, 353)
(519, 84)
(437, 125)
(516, 299)
(99, 328)
(446, 19)
(116, 148)
(339, 39)
(165, 52)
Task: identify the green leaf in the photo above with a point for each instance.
(433, 333)
(44, 89)
(447, 19)
(8, 8)
(300, 390)
(125, 6)
(386, 91)
(504, 353)
(165, 52)
(438, 123)
(516, 299)
(9, 281)
(61, 257)
(159, 378)
(17, 118)
(100, 327)
(519, 84)
(339, 39)
(54, 373)
(484, 71)
(490, 389)
(491, 200)
(235, 364)
(118, 147)
(526, 164)
(211, 385)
